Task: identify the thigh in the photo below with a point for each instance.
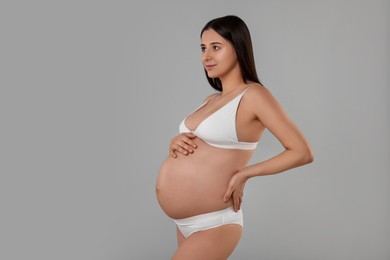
(180, 237)
(215, 243)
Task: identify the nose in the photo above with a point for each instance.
(206, 56)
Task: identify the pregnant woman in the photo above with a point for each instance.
(201, 183)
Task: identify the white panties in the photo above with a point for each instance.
(189, 225)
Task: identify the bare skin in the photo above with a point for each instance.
(195, 184)
(198, 178)
(217, 243)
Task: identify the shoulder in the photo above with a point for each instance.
(258, 93)
(210, 97)
(261, 101)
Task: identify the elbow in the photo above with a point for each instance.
(308, 156)
(304, 155)
(308, 159)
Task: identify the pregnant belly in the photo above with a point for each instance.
(195, 184)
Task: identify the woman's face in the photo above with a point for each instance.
(218, 55)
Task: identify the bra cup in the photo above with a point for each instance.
(183, 128)
(219, 129)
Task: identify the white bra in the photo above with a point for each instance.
(219, 129)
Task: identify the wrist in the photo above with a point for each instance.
(243, 175)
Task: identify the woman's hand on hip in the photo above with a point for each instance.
(182, 143)
(235, 191)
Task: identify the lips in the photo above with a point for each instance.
(208, 67)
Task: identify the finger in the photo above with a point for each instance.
(172, 152)
(236, 203)
(179, 149)
(190, 135)
(186, 147)
(227, 195)
(188, 141)
(192, 143)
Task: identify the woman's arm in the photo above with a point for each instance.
(271, 114)
(298, 152)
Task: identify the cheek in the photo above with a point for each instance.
(229, 59)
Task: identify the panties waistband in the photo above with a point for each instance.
(205, 216)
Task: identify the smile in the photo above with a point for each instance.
(209, 66)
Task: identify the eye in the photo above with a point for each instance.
(203, 49)
(215, 47)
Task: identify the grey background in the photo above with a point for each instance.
(93, 91)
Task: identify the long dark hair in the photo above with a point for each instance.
(233, 29)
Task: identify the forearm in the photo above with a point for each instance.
(286, 160)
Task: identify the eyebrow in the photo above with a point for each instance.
(213, 43)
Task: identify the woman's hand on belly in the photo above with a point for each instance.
(182, 143)
(235, 190)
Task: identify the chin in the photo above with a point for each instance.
(212, 75)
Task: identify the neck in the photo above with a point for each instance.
(231, 82)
